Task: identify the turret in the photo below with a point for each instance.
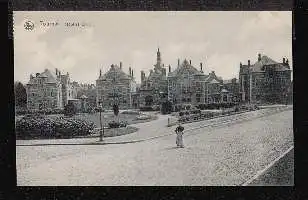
(259, 57)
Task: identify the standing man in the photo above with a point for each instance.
(179, 136)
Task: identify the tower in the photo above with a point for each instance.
(158, 61)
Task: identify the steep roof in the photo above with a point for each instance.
(265, 60)
(114, 71)
(51, 77)
(185, 67)
(212, 78)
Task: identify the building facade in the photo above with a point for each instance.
(186, 84)
(266, 81)
(116, 87)
(49, 90)
(154, 87)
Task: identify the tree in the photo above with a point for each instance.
(70, 109)
(20, 95)
(115, 109)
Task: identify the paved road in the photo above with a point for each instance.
(227, 154)
(280, 174)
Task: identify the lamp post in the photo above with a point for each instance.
(101, 131)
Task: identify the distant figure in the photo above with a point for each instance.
(179, 136)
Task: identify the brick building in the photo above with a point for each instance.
(266, 81)
(115, 86)
(153, 88)
(49, 90)
(186, 84)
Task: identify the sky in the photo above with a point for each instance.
(218, 39)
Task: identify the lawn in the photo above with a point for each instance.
(108, 117)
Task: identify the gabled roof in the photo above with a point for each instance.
(265, 60)
(213, 81)
(185, 67)
(51, 77)
(114, 71)
(212, 78)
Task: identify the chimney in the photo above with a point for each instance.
(178, 62)
(120, 65)
(248, 62)
(189, 62)
(287, 61)
(130, 71)
(56, 71)
(283, 60)
(169, 68)
(259, 57)
(241, 64)
(37, 74)
(100, 72)
(201, 66)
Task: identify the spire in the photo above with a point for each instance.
(158, 61)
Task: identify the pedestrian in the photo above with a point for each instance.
(179, 136)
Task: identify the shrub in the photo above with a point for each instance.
(114, 124)
(146, 108)
(38, 126)
(131, 112)
(156, 108)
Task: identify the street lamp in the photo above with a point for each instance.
(102, 130)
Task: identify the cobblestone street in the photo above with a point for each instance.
(222, 151)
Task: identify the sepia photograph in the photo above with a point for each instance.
(153, 98)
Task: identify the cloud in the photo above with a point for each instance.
(218, 39)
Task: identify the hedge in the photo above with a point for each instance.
(47, 111)
(39, 127)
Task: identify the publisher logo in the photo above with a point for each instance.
(29, 25)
